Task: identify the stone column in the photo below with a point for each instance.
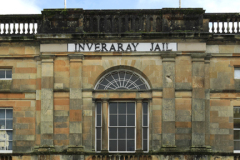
(47, 101)
(198, 102)
(75, 108)
(168, 108)
(104, 125)
(139, 125)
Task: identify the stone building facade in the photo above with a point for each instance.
(120, 84)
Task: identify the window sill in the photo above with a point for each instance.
(236, 151)
(5, 151)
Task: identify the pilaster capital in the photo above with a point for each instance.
(168, 57)
(76, 56)
(105, 100)
(139, 100)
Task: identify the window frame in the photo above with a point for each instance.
(146, 126)
(97, 126)
(135, 135)
(7, 151)
(6, 74)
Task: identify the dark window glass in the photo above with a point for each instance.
(99, 108)
(131, 120)
(115, 76)
(99, 134)
(2, 113)
(131, 108)
(121, 145)
(236, 123)
(113, 120)
(145, 133)
(113, 108)
(8, 73)
(122, 108)
(100, 86)
(144, 145)
(113, 145)
(128, 75)
(236, 145)
(9, 113)
(9, 145)
(130, 145)
(145, 120)
(2, 73)
(142, 86)
(113, 133)
(122, 120)
(121, 74)
(138, 82)
(145, 107)
(9, 124)
(121, 133)
(104, 82)
(99, 120)
(130, 133)
(109, 78)
(99, 144)
(2, 124)
(9, 134)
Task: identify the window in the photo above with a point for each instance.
(122, 79)
(5, 74)
(6, 129)
(122, 126)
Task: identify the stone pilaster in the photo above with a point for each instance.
(104, 125)
(198, 102)
(47, 100)
(168, 103)
(75, 108)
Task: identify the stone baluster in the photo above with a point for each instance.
(19, 28)
(24, 30)
(14, 27)
(4, 28)
(237, 25)
(223, 28)
(9, 28)
(233, 28)
(33, 28)
(218, 26)
(213, 27)
(28, 30)
(228, 28)
(0, 27)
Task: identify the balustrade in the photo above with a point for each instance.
(19, 24)
(5, 157)
(223, 23)
(121, 157)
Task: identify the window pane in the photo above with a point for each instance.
(128, 75)
(143, 86)
(2, 113)
(99, 144)
(130, 145)
(100, 86)
(9, 145)
(145, 108)
(9, 113)
(236, 73)
(2, 144)
(99, 106)
(121, 133)
(113, 145)
(145, 120)
(99, 133)
(145, 133)
(113, 120)
(236, 145)
(122, 145)
(9, 124)
(131, 108)
(9, 135)
(113, 133)
(99, 120)
(130, 133)
(237, 134)
(2, 124)
(236, 123)
(122, 120)
(104, 82)
(113, 108)
(9, 74)
(144, 145)
(2, 73)
(121, 74)
(138, 82)
(131, 120)
(122, 108)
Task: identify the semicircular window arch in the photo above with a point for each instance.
(122, 80)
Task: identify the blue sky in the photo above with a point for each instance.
(35, 6)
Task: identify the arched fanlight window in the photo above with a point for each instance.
(122, 79)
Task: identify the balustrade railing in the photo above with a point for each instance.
(19, 24)
(5, 157)
(121, 157)
(223, 23)
(114, 21)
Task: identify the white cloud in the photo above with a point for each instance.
(19, 7)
